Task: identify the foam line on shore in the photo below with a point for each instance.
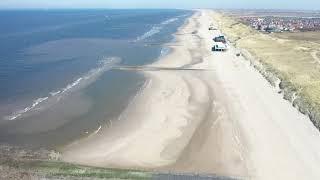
(156, 29)
(55, 96)
(169, 108)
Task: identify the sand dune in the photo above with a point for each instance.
(227, 120)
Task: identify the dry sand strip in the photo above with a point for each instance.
(280, 142)
(154, 68)
(229, 121)
(162, 120)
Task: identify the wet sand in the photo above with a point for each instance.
(221, 119)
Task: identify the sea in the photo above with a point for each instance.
(58, 80)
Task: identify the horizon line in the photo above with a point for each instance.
(152, 8)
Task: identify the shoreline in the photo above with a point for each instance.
(227, 120)
(139, 93)
(171, 109)
(50, 115)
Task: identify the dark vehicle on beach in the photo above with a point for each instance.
(220, 39)
(212, 29)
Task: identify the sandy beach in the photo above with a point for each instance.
(218, 116)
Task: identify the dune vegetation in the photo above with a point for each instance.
(33, 169)
(288, 60)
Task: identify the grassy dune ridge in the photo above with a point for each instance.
(32, 169)
(289, 60)
(25, 163)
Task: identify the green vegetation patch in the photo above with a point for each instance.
(65, 170)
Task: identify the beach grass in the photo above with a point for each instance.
(64, 169)
(294, 58)
(312, 36)
(58, 169)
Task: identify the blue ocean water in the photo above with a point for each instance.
(56, 77)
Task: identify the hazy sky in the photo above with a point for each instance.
(264, 4)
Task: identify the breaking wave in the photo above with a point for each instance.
(56, 96)
(156, 29)
(165, 51)
(169, 21)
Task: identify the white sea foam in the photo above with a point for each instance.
(169, 21)
(69, 86)
(156, 29)
(164, 51)
(55, 93)
(104, 65)
(20, 112)
(95, 132)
